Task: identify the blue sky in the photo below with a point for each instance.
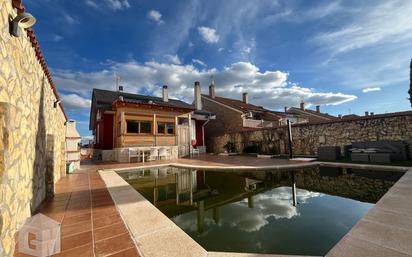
(347, 56)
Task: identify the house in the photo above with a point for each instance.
(234, 115)
(72, 146)
(120, 121)
(310, 115)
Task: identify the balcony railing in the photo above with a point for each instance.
(250, 123)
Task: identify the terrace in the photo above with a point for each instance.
(102, 215)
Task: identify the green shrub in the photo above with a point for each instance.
(230, 147)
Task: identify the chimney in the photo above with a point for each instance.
(340, 116)
(286, 109)
(302, 106)
(165, 94)
(198, 96)
(372, 113)
(212, 90)
(121, 88)
(410, 83)
(366, 113)
(245, 98)
(318, 108)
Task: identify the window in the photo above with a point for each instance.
(161, 127)
(170, 128)
(145, 127)
(165, 128)
(132, 126)
(138, 127)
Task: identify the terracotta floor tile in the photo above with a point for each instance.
(104, 211)
(71, 213)
(76, 219)
(76, 228)
(109, 231)
(80, 200)
(77, 240)
(113, 245)
(82, 251)
(106, 221)
(131, 252)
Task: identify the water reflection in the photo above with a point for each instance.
(263, 211)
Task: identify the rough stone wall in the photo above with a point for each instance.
(307, 138)
(32, 132)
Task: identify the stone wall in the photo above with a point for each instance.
(32, 132)
(307, 138)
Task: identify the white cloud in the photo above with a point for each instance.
(267, 88)
(112, 4)
(74, 101)
(70, 19)
(384, 22)
(276, 203)
(209, 35)
(371, 89)
(155, 16)
(118, 4)
(56, 38)
(173, 58)
(220, 49)
(199, 62)
(91, 3)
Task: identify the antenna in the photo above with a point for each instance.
(212, 80)
(118, 79)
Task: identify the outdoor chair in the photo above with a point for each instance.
(154, 154)
(193, 148)
(134, 153)
(164, 152)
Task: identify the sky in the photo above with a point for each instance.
(347, 56)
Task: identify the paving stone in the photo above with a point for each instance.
(170, 242)
(383, 235)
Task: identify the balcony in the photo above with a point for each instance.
(251, 123)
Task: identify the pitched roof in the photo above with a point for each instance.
(105, 98)
(314, 113)
(237, 104)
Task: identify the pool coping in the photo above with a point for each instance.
(150, 228)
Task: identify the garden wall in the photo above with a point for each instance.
(32, 130)
(307, 138)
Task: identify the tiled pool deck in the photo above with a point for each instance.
(90, 222)
(102, 215)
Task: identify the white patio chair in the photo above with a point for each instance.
(164, 152)
(194, 150)
(134, 153)
(154, 154)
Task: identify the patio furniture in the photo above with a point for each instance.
(154, 154)
(359, 157)
(164, 152)
(380, 157)
(396, 149)
(134, 153)
(329, 153)
(194, 150)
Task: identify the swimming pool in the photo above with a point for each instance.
(301, 211)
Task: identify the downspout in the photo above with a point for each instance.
(203, 130)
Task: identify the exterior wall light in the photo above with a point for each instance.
(21, 21)
(57, 102)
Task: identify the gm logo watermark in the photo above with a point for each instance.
(40, 236)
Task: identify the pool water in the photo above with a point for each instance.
(303, 211)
